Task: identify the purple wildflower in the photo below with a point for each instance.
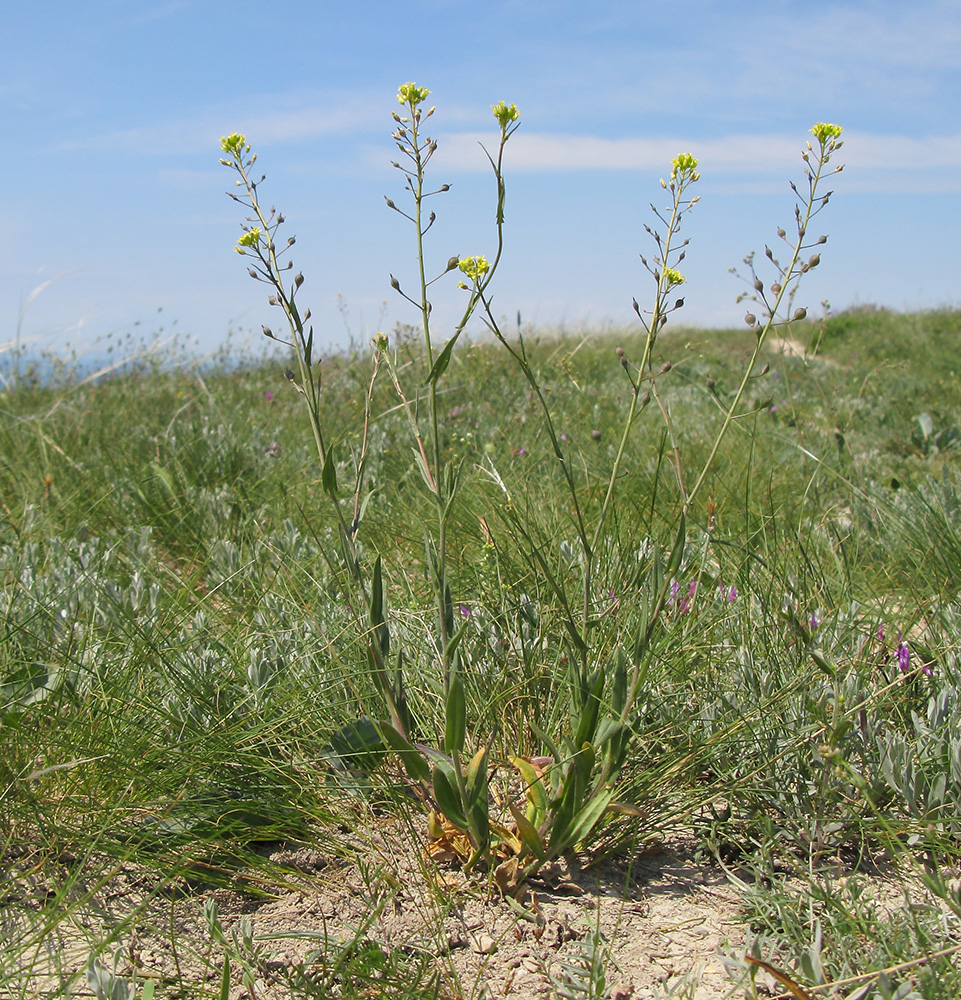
(814, 621)
(685, 604)
(268, 396)
(675, 587)
(904, 655)
(465, 611)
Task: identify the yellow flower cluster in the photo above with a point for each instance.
(826, 131)
(250, 239)
(505, 113)
(410, 95)
(474, 267)
(684, 164)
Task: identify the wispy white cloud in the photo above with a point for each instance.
(291, 119)
(751, 156)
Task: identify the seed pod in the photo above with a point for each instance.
(394, 283)
(750, 319)
(298, 279)
(799, 314)
(665, 368)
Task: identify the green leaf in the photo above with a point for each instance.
(455, 730)
(588, 818)
(412, 759)
(619, 685)
(528, 833)
(225, 980)
(552, 747)
(443, 360)
(377, 617)
(328, 477)
(534, 786)
(423, 470)
(587, 723)
(308, 348)
(477, 777)
(607, 730)
(448, 799)
(677, 553)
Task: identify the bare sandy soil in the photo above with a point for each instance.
(665, 922)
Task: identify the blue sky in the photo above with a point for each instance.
(113, 197)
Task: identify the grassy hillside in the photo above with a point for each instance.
(185, 675)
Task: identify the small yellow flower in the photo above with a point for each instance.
(826, 131)
(474, 267)
(673, 277)
(410, 95)
(250, 239)
(684, 164)
(505, 113)
(234, 144)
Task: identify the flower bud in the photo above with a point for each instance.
(394, 283)
(267, 332)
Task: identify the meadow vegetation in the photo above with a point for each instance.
(501, 599)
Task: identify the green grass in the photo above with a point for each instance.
(181, 679)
